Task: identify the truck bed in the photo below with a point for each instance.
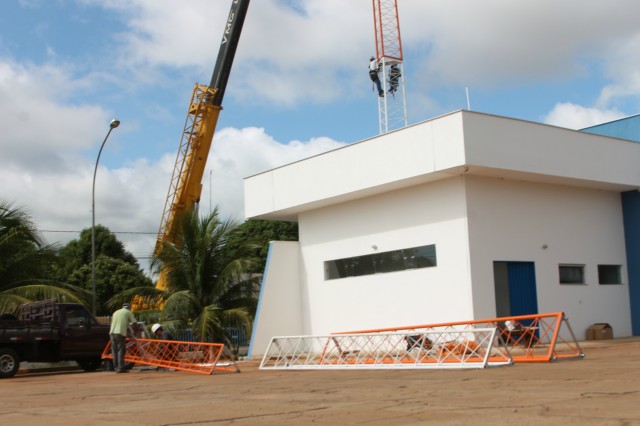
(20, 330)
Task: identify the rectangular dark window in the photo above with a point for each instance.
(388, 261)
(609, 274)
(571, 274)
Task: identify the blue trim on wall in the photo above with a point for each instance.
(631, 219)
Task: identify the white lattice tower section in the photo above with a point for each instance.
(469, 348)
(392, 107)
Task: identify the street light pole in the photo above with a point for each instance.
(114, 123)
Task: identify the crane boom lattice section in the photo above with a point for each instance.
(185, 186)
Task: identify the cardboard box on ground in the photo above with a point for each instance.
(600, 331)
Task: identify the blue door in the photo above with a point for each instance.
(523, 298)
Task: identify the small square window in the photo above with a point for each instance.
(571, 274)
(609, 274)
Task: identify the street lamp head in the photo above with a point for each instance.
(114, 123)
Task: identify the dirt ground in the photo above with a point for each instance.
(601, 389)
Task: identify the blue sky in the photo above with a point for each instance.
(299, 86)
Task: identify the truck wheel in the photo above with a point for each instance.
(9, 363)
(89, 364)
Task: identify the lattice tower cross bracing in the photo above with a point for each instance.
(392, 107)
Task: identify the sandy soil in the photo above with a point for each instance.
(601, 389)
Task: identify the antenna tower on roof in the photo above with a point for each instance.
(392, 107)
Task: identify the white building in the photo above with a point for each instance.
(504, 217)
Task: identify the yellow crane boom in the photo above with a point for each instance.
(185, 186)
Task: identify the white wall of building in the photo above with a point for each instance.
(416, 216)
(401, 159)
(512, 221)
(539, 152)
(279, 310)
(460, 142)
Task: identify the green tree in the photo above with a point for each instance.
(26, 263)
(262, 232)
(204, 276)
(77, 253)
(113, 276)
(116, 268)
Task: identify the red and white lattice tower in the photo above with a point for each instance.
(392, 107)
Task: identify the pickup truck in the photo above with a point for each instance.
(49, 331)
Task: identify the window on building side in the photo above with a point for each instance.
(571, 274)
(609, 274)
(389, 261)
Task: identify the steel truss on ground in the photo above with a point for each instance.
(461, 348)
(530, 338)
(194, 357)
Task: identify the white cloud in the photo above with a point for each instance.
(43, 166)
(38, 124)
(298, 52)
(286, 54)
(501, 41)
(45, 137)
(623, 68)
(239, 153)
(576, 117)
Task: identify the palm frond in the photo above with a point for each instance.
(15, 221)
(237, 316)
(34, 292)
(207, 326)
(148, 316)
(201, 266)
(180, 306)
(10, 303)
(143, 296)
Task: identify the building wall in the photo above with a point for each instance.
(416, 216)
(473, 221)
(279, 310)
(536, 152)
(512, 221)
(399, 159)
(461, 142)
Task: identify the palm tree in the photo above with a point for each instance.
(206, 287)
(25, 263)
